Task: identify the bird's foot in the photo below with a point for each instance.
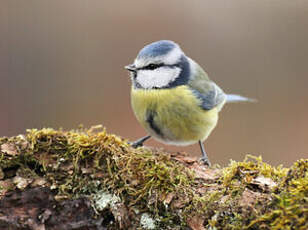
(136, 144)
(139, 143)
(205, 161)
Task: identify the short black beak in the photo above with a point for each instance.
(131, 68)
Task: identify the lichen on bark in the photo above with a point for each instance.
(90, 179)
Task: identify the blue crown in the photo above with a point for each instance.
(155, 49)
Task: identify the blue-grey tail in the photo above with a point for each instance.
(238, 98)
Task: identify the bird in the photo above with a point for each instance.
(173, 98)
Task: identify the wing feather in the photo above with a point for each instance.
(206, 90)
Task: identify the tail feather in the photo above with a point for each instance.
(231, 98)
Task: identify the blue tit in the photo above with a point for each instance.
(173, 98)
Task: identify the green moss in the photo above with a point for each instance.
(91, 163)
(84, 162)
(223, 208)
(250, 168)
(289, 208)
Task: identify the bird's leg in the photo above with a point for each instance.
(204, 157)
(139, 142)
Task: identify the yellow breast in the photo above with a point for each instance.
(176, 115)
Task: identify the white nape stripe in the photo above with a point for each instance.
(158, 78)
(173, 56)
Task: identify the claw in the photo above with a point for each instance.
(136, 144)
(205, 161)
(139, 143)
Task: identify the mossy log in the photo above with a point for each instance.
(88, 179)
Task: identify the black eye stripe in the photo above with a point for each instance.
(153, 66)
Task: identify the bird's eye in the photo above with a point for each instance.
(153, 66)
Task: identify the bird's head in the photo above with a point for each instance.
(160, 65)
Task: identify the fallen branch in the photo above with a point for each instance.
(85, 179)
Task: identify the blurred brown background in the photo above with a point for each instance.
(61, 64)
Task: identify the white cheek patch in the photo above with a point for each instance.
(157, 78)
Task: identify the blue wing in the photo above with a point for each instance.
(208, 100)
(205, 90)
